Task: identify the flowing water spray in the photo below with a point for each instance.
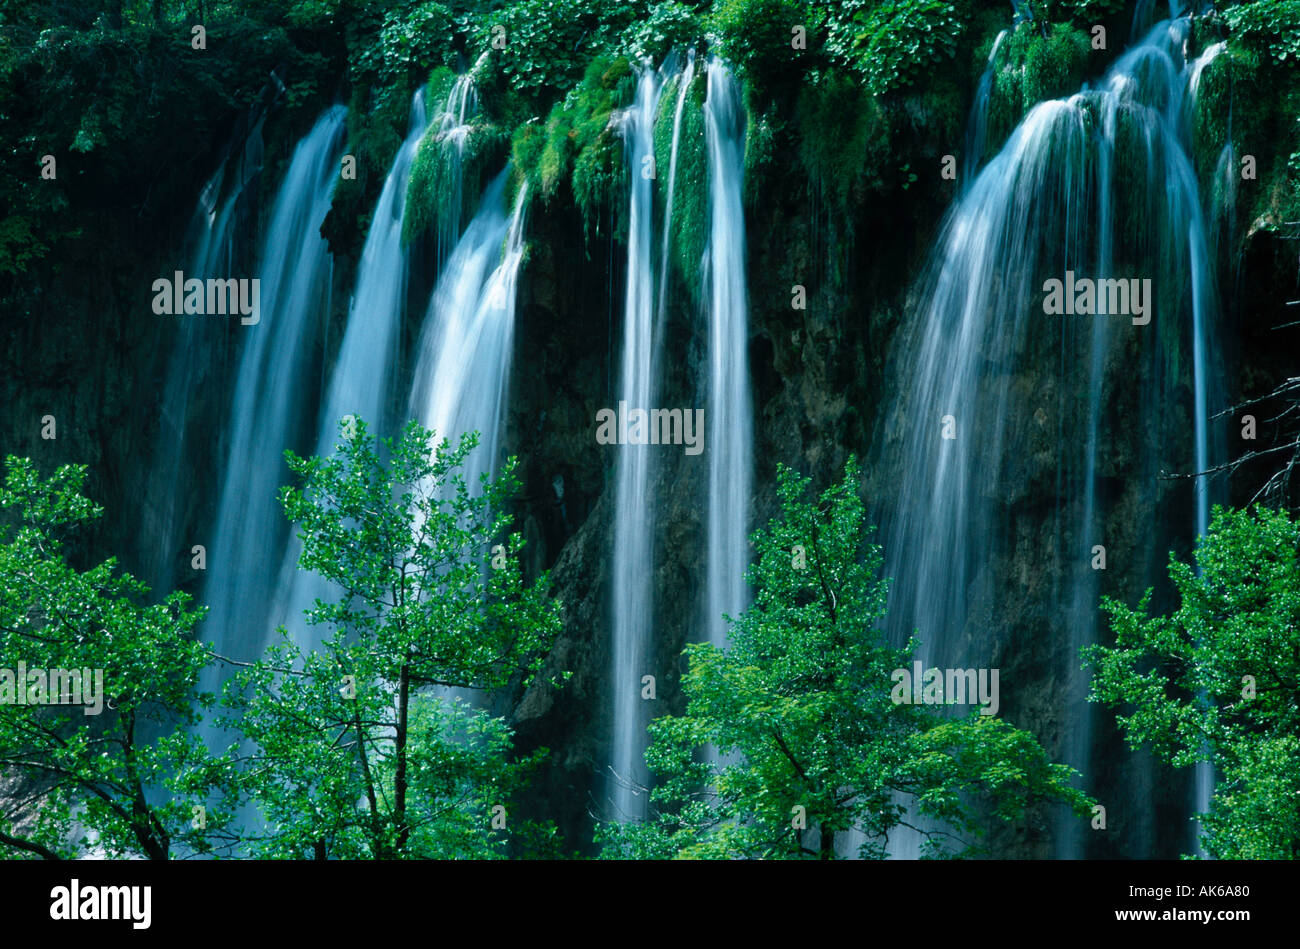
(211, 253)
(1099, 185)
(268, 399)
(359, 382)
(729, 415)
(631, 605)
(450, 129)
(661, 321)
(467, 343)
(468, 336)
(979, 116)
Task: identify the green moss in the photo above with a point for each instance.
(1245, 96)
(1030, 69)
(944, 105)
(438, 87)
(526, 146)
(439, 175)
(843, 138)
(1055, 66)
(552, 156)
(598, 172)
(690, 212)
(760, 151)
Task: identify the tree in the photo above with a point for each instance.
(358, 753)
(810, 744)
(1217, 679)
(92, 678)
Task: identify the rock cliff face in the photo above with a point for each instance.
(90, 353)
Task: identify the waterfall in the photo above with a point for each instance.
(729, 418)
(468, 336)
(211, 252)
(450, 130)
(632, 555)
(1099, 186)
(467, 342)
(979, 115)
(359, 382)
(267, 404)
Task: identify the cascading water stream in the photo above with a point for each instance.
(451, 129)
(729, 415)
(975, 404)
(466, 344)
(975, 131)
(267, 405)
(359, 382)
(211, 254)
(632, 554)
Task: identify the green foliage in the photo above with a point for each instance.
(396, 769)
(93, 89)
(670, 26)
(1082, 12)
(411, 42)
(537, 50)
(1270, 28)
(893, 45)
(1216, 679)
(800, 709)
(91, 776)
(755, 36)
